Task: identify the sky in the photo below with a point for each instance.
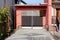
(34, 1)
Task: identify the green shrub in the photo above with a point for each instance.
(4, 13)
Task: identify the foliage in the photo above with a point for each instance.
(4, 13)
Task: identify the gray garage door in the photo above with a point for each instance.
(32, 18)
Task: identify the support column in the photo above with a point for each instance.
(49, 11)
(18, 18)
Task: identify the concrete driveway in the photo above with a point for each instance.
(30, 34)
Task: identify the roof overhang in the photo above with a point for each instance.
(26, 7)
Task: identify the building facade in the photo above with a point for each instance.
(32, 17)
(51, 12)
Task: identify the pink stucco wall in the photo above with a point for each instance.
(18, 18)
(44, 21)
(49, 11)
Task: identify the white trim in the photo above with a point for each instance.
(26, 27)
(32, 27)
(37, 27)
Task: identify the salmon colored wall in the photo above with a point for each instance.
(18, 18)
(44, 21)
(49, 11)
